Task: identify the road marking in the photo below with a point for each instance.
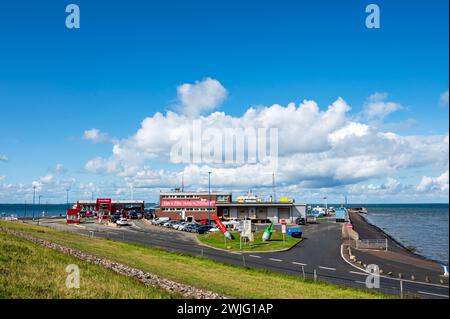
(277, 260)
(301, 264)
(360, 282)
(358, 273)
(432, 294)
(254, 256)
(327, 268)
(391, 278)
(235, 253)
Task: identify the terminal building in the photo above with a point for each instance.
(194, 206)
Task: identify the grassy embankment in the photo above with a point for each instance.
(203, 273)
(28, 270)
(276, 242)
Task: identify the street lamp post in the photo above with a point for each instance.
(67, 198)
(39, 206)
(209, 198)
(34, 200)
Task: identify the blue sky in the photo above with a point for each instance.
(126, 61)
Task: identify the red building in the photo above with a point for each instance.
(102, 209)
(190, 205)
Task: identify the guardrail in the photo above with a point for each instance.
(376, 244)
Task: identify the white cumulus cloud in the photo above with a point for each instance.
(439, 183)
(3, 158)
(201, 97)
(95, 136)
(318, 148)
(376, 107)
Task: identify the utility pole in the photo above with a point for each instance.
(182, 183)
(273, 187)
(40, 196)
(34, 200)
(67, 198)
(25, 210)
(92, 196)
(209, 198)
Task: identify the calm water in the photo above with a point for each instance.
(22, 210)
(424, 226)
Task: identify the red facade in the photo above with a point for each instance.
(182, 205)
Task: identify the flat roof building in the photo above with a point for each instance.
(194, 205)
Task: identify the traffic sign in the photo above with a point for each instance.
(349, 226)
(283, 222)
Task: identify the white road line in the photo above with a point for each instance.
(327, 268)
(360, 282)
(254, 256)
(359, 273)
(277, 260)
(432, 294)
(391, 278)
(301, 264)
(235, 253)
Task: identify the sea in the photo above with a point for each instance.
(423, 226)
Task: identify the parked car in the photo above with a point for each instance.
(184, 225)
(122, 222)
(203, 229)
(178, 225)
(214, 229)
(169, 223)
(134, 215)
(159, 221)
(192, 228)
(148, 215)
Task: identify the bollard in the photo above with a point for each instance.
(401, 289)
(243, 259)
(413, 278)
(303, 271)
(427, 279)
(202, 252)
(445, 271)
(400, 275)
(315, 275)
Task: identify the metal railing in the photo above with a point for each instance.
(376, 244)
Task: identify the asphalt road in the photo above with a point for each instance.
(318, 255)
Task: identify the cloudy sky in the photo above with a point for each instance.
(358, 112)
